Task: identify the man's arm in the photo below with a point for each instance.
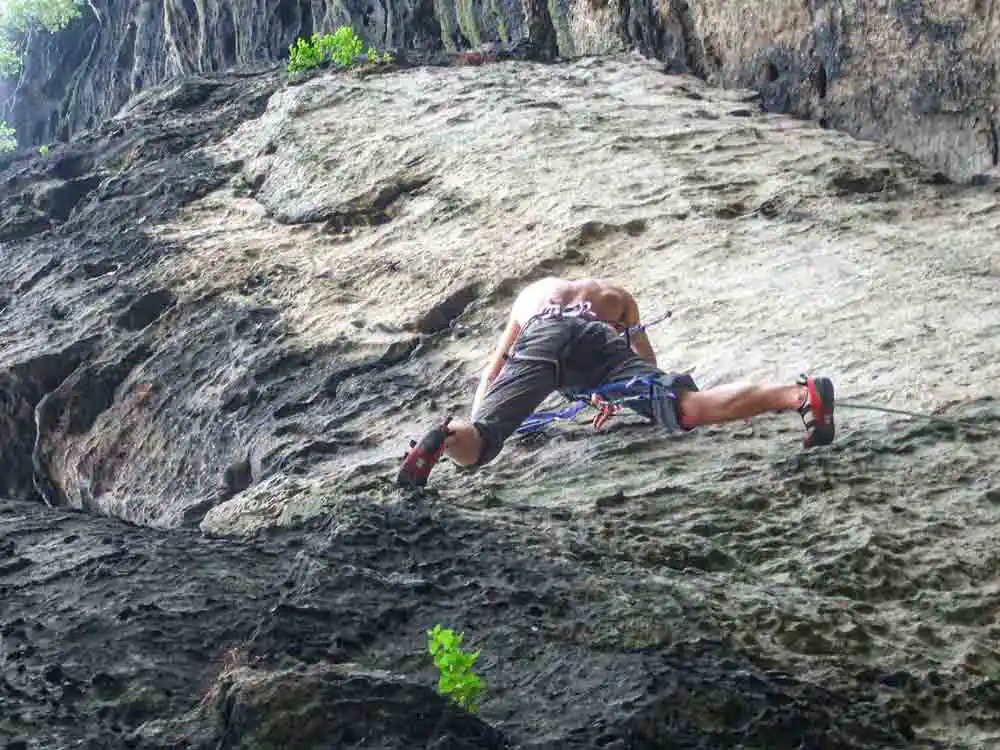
(639, 340)
(496, 362)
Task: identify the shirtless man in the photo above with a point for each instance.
(567, 336)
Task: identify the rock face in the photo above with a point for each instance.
(920, 77)
(224, 312)
(320, 706)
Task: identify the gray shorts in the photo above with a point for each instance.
(567, 354)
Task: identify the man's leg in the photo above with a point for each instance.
(521, 386)
(728, 403)
(464, 444)
(812, 398)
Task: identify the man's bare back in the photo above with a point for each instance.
(608, 301)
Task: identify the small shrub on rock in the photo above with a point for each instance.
(7, 142)
(343, 47)
(456, 680)
(304, 55)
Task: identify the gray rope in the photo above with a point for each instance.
(903, 412)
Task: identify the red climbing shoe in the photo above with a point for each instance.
(817, 411)
(423, 456)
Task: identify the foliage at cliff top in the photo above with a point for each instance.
(18, 18)
(7, 142)
(343, 47)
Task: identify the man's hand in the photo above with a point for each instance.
(638, 339)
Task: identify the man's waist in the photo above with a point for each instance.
(579, 310)
(576, 310)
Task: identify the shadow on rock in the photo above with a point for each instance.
(320, 706)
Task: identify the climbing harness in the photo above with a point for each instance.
(602, 398)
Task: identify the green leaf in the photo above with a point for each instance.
(7, 141)
(52, 15)
(444, 644)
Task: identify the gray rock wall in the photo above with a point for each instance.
(921, 77)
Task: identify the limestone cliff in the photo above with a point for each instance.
(225, 311)
(918, 76)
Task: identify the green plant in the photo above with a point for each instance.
(304, 55)
(10, 56)
(7, 142)
(18, 17)
(345, 46)
(342, 47)
(453, 663)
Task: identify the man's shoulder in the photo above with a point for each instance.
(615, 301)
(530, 295)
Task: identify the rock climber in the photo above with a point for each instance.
(579, 335)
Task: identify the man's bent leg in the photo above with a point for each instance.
(521, 386)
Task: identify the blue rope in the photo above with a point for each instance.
(580, 400)
(540, 419)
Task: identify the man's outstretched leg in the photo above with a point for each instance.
(812, 398)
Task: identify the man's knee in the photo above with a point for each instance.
(492, 442)
(672, 407)
(687, 409)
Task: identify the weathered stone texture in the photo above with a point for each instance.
(919, 76)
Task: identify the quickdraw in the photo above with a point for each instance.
(605, 410)
(640, 327)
